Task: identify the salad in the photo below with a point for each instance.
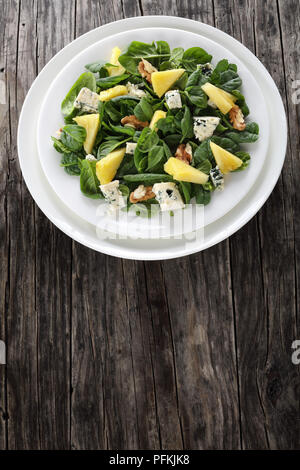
(155, 126)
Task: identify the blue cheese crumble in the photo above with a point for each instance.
(206, 69)
(173, 99)
(130, 147)
(168, 196)
(205, 126)
(91, 158)
(113, 195)
(217, 178)
(134, 90)
(87, 101)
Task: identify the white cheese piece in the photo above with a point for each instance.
(113, 195)
(139, 192)
(217, 178)
(130, 147)
(87, 101)
(211, 104)
(168, 196)
(173, 99)
(91, 158)
(134, 90)
(205, 126)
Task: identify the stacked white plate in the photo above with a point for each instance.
(58, 195)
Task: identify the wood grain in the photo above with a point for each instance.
(190, 353)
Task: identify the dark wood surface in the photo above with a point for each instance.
(191, 353)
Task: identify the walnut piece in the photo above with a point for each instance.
(182, 154)
(145, 193)
(134, 122)
(236, 118)
(146, 69)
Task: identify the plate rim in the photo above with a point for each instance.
(238, 219)
(219, 209)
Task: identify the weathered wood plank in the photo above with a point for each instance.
(203, 353)
(268, 280)
(21, 317)
(4, 246)
(53, 270)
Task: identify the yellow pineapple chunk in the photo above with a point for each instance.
(107, 167)
(115, 53)
(226, 161)
(183, 172)
(91, 123)
(223, 100)
(156, 117)
(117, 90)
(162, 81)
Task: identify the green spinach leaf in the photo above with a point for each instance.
(89, 183)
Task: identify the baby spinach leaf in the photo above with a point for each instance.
(226, 142)
(202, 195)
(194, 56)
(147, 140)
(197, 96)
(203, 152)
(241, 102)
(187, 124)
(181, 82)
(127, 166)
(250, 134)
(176, 56)
(70, 162)
(167, 125)
(89, 183)
(156, 158)
(73, 136)
(143, 110)
(163, 48)
(123, 130)
(86, 80)
(205, 166)
(109, 82)
(148, 178)
(59, 146)
(246, 160)
(109, 146)
(138, 50)
(185, 189)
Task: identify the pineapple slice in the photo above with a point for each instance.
(115, 53)
(91, 123)
(223, 100)
(162, 81)
(118, 90)
(183, 172)
(156, 117)
(107, 167)
(226, 161)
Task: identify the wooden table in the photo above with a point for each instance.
(191, 353)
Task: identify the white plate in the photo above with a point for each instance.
(84, 232)
(237, 185)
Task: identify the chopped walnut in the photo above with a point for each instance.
(134, 122)
(142, 193)
(146, 69)
(236, 118)
(182, 154)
